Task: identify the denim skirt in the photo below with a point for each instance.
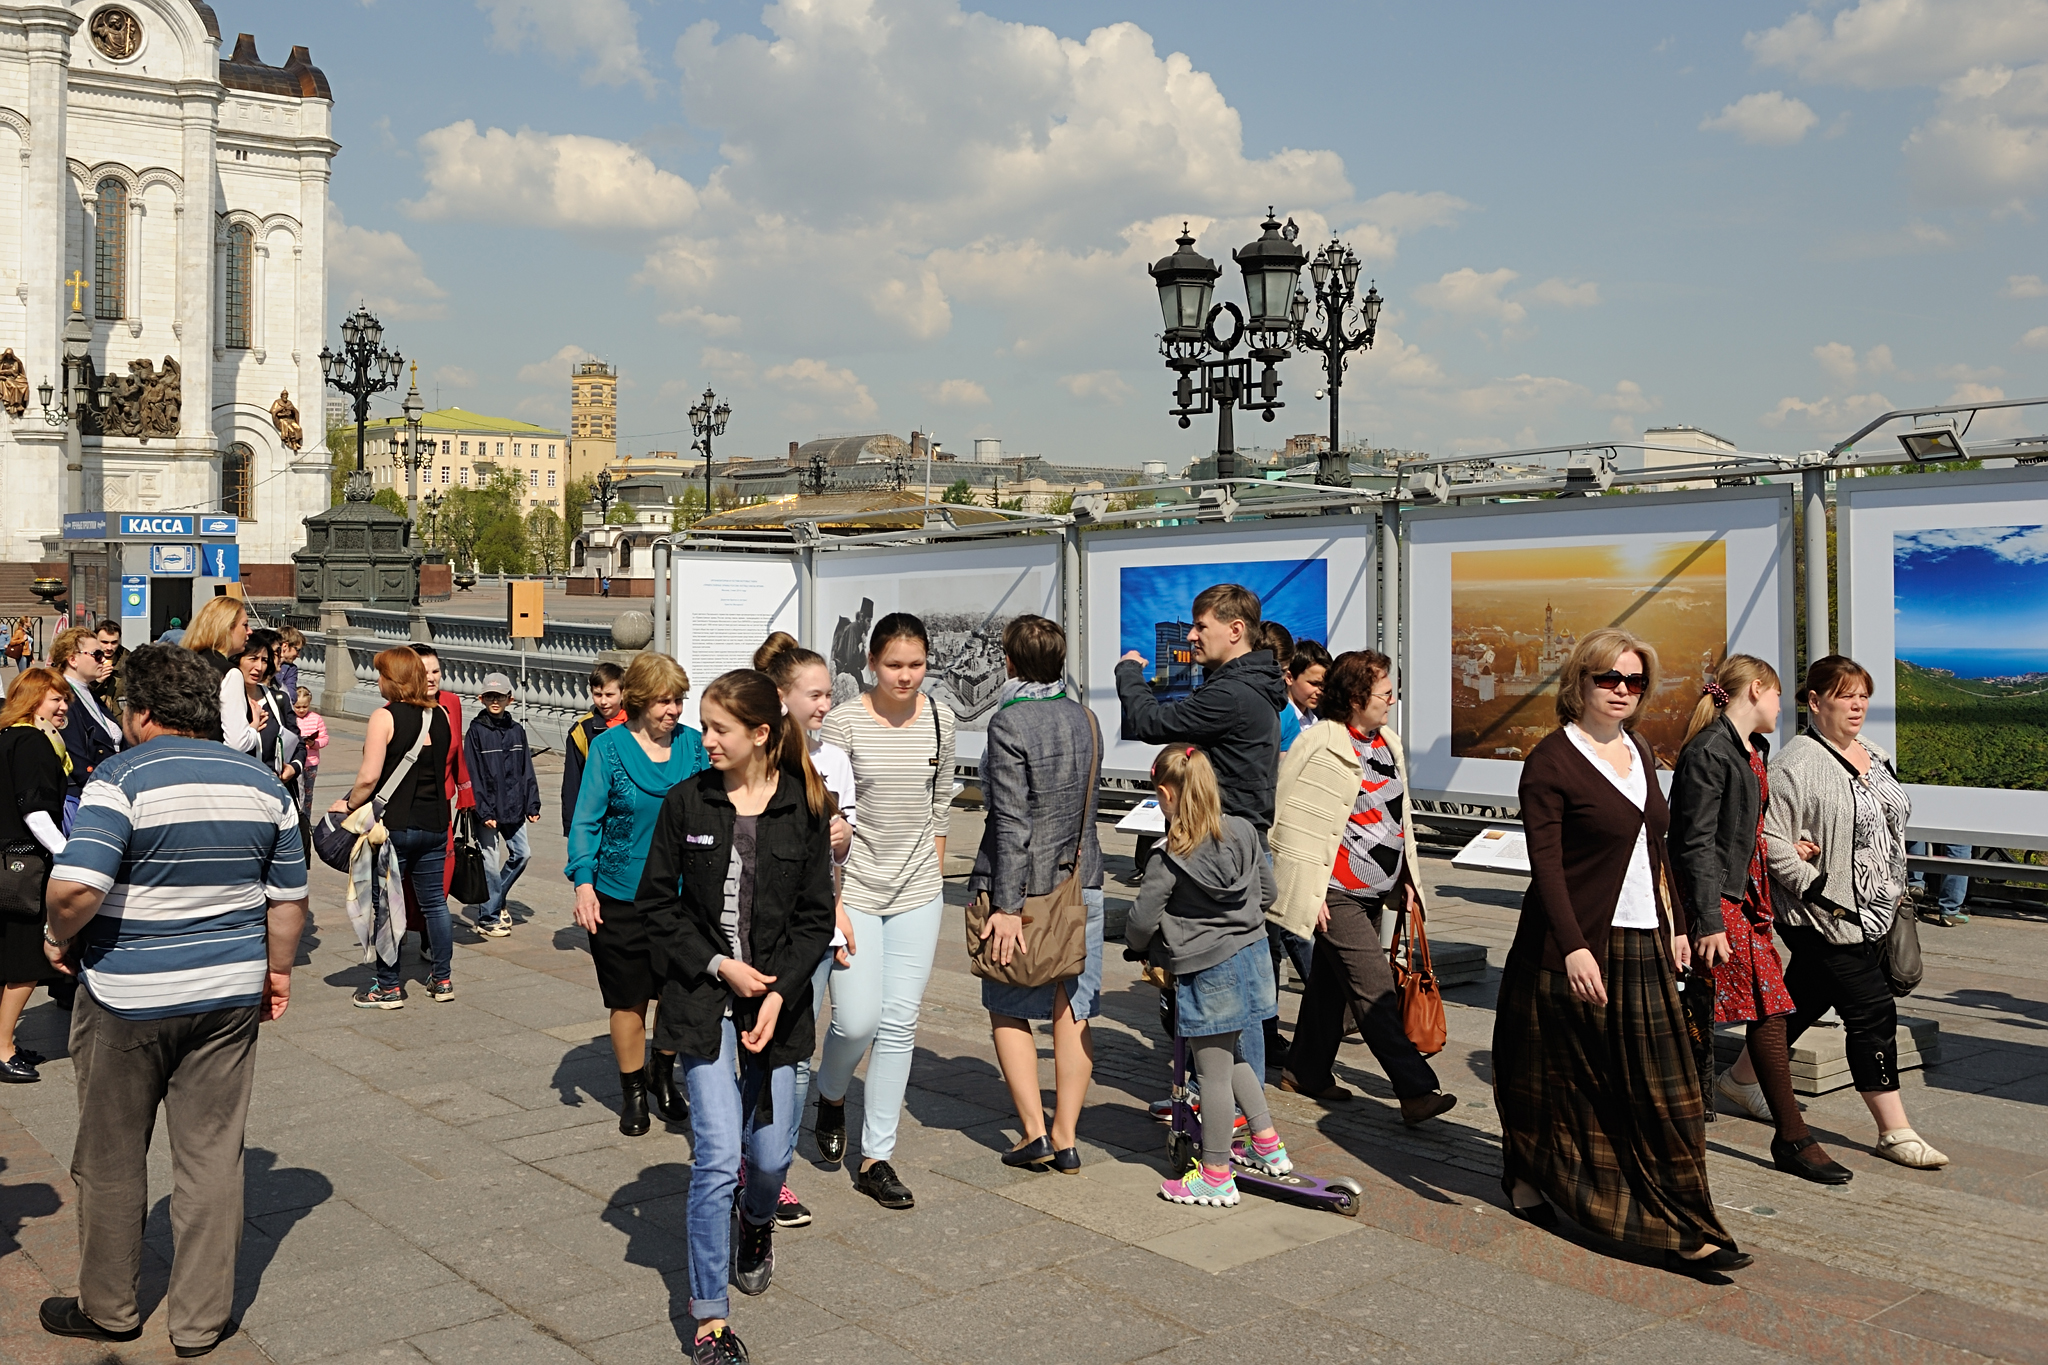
(1084, 992)
(1234, 995)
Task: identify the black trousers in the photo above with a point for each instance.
(1350, 975)
(1845, 977)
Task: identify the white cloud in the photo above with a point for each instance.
(2036, 339)
(1628, 397)
(1839, 362)
(555, 369)
(820, 390)
(1988, 139)
(1096, 386)
(1467, 293)
(1769, 119)
(955, 393)
(735, 369)
(379, 269)
(556, 180)
(2025, 287)
(1565, 293)
(2014, 544)
(1836, 415)
(607, 30)
(710, 324)
(455, 377)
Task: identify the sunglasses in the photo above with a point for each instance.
(1636, 683)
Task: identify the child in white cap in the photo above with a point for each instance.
(507, 796)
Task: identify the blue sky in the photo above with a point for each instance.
(1977, 589)
(851, 215)
(1294, 592)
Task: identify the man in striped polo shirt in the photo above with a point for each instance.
(179, 900)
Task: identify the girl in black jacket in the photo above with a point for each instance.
(737, 895)
(1718, 794)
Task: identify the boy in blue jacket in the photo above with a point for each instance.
(507, 796)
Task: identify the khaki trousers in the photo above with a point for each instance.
(200, 1068)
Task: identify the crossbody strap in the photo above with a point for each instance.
(412, 756)
(938, 746)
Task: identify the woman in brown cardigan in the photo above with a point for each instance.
(1600, 1103)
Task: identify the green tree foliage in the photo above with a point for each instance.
(470, 516)
(1965, 732)
(958, 491)
(341, 456)
(622, 515)
(503, 547)
(1012, 505)
(388, 499)
(544, 542)
(1061, 505)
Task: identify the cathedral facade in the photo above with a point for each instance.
(174, 198)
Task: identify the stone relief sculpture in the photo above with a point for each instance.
(13, 383)
(144, 402)
(290, 434)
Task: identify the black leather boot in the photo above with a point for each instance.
(633, 1102)
(668, 1097)
(830, 1130)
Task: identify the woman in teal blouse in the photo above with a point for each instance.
(629, 771)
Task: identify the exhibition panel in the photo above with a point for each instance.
(723, 605)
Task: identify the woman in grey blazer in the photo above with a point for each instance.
(1039, 776)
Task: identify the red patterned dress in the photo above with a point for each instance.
(1750, 985)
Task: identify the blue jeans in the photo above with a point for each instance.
(516, 854)
(1953, 890)
(875, 1001)
(422, 856)
(819, 980)
(723, 1100)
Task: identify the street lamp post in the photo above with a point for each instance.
(362, 369)
(707, 419)
(431, 505)
(1334, 277)
(415, 455)
(81, 399)
(1186, 281)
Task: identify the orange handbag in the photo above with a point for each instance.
(1422, 1005)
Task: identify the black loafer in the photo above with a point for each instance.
(830, 1130)
(1067, 1161)
(16, 1071)
(22, 1054)
(194, 1352)
(1037, 1152)
(63, 1318)
(1719, 1261)
(1542, 1215)
(879, 1183)
(1828, 1171)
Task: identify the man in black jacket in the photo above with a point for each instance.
(607, 708)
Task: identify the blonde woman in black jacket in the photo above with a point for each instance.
(737, 896)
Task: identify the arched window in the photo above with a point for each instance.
(110, 251)
(625, 553)
(237, 481)
(239, 280)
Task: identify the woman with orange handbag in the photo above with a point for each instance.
(1340, 855)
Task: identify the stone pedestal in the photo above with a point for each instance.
(360, 553)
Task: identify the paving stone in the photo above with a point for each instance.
(505, 1340)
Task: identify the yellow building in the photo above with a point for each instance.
(593, 418)
(467, 449)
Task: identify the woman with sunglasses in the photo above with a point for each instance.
(90, 735)
(1600, 1102)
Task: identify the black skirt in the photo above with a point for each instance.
(1601, 1108)
(629, 970)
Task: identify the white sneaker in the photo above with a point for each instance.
(1908, 1148)
(1748, 1098)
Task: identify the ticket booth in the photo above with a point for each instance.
(166, 564)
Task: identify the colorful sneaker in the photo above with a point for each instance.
(720, 1348)
(1251, 1152)
(790, 1211)
(495, 928)
(1201, 1186)
(442, 989)
(370, 998)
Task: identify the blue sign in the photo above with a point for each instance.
(147, 524)
(85, 526)
(134, 595)
(221, 561)
(174, 560)
(218, 526)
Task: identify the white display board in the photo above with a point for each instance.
(722, 606)
(1315, 575)
(1943, 596)
(964, 594)
(1496, 596)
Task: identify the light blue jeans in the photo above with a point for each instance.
(1952, 890)
(875, 1001)
(516, 853)
(723, 1100)
(819, 981)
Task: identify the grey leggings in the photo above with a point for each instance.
(1222, 1074)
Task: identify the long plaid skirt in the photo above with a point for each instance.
(1601, 1107)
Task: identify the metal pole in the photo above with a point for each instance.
(1071, 590)
(1814, 488)
(664, 552)
(1390, 583)
(1225, 387)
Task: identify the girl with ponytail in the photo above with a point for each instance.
(1201, 915)
(738, 895)
(1719, 793)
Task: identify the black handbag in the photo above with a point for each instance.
(334, 843)
(471, 884)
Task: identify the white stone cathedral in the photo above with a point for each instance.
(179, 195)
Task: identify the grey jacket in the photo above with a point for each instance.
(1207, 907)
(1811, 799)
(1038, 788)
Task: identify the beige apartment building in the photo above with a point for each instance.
(466, 449)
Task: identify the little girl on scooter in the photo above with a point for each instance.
(1201, 915)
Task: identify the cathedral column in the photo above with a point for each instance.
(36, 482)
(198, 281)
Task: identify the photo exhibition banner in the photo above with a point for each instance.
(965, 596)
(722, 606)
(1943, 596)
(1314, 575)
(1498, 596)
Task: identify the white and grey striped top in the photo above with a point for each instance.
(905, 780)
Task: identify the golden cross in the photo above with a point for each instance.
(77, 282)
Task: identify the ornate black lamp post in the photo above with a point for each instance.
(1334, 273)
(604, 497)
(81, 400)
(362, 369)
(418, 450)
(1186, 281)
(707, 421)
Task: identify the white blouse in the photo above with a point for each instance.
(1636, 907)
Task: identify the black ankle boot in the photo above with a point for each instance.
(633, 1102)
(663, 1090)
(830, 1130)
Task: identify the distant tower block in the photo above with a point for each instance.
(593, 418)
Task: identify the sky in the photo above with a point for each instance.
(1971, 591)
(1766, 220)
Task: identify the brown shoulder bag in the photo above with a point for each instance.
(1422, 1006)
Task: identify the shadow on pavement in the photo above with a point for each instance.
(18, 1204)
(652, 1241)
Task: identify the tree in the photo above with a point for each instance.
(341, 459)
(388, 498)
(958, 491)
(544, 540)
(687, 507)
(623, 514)
(470, 515)
(1012, 505)
(502, 548)
(1061, 505)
